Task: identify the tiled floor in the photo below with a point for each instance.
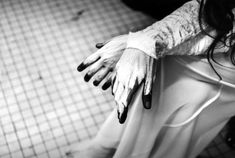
(45, 104)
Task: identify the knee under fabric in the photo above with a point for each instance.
(155, 8)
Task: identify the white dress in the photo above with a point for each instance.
(183, 86)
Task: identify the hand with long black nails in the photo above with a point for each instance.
(133, 69)
(102, 63)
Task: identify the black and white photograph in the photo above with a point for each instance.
(117, 78)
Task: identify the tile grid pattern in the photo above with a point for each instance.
(45, 104)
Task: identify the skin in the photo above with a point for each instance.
(101, 64)
(124, 69)
(133, 69)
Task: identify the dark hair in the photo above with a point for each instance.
(218, 15)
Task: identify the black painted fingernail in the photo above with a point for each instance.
(106, 85)
(118, 114)
(112, 83)
(114, 80)
(96, 83)
(87, 77)
(99, 45)
(123, 117)
(81, 67)
(147, 101)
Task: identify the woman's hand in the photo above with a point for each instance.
(132, 69)
(102, 63)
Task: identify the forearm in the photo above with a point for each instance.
(198, 45)
(179, 28)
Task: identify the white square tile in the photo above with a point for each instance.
(55, 123)
(89, 122)
(24, 107)
(55, 153)
(85, 113)
(72, 109)
(25, 142)
(13, 108)
(37, 111)
(83, 134)
(36, 139)
(47, 135)
(75, 117)
(35, 103)
(47, 106)
(44, 126)
(33, 129)
(23, 133)
(62, 141)
(4, 115)
(4, 149)
(14, 146)
(68, 100)
(8, 128)
(65, 120)
(51, 115)
(72, 137)
(57, 132)
(44, 155)
(3, 141)
(61, 112)
(40, 148)
(93, 130)
(16, 117)
(17, 154)
(50, 145)
(29, 118)
(28, 152)
(30, 92)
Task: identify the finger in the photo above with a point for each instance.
(147, 98)
(131, 93)
(117, 106)
(108, 81)
(118, 92)
(100, 75)
(123, 110)
(88, 61)
(81, 67)
(99, 45)
(113, 82)
(92, 71)
(124, 96)
(120, 108)
(147, 91)
(115, 86)
(132, 81)
(149, 76)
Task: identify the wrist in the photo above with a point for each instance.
(142, 42)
